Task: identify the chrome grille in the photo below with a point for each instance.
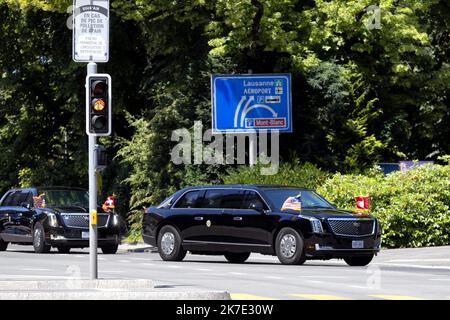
(352, 227)
(82, 220)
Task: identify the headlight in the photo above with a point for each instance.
(115, 219)
(316, 225)
(52, 220)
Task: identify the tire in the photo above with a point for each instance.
(3, 245)
(169, 244)
(237, 257)
(110, 249)
(289, 246)
(64, 249)
(358, 261)
(39, 239)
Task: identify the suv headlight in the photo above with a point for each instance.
(316, 224)
(115, 220)
(52, 220)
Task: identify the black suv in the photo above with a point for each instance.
(61, 220)
(235, 220)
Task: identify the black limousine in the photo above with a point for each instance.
(54, 217)
(235, 220)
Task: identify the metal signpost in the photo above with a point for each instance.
(91, 44)
(248, 103)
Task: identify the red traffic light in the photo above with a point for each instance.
(99, 88)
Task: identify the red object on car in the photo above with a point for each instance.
(362, 202)
(110, 203)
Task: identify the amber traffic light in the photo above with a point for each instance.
(98, 103)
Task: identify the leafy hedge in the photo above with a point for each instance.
(290, 173)
(413, 207)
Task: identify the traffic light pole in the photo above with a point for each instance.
(93, 236)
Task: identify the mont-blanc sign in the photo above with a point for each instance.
(251, 102)
(91, 30)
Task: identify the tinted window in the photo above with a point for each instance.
(309, 199)
(190, 200)
(24, 197)
(223, 199)
(12, 199)
(253, 198)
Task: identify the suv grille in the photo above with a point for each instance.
(82, 220)
(352, 227)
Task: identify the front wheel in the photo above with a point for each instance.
(289, 247)
(169, 244)
(359, 261)
(3, 245)
(39, 239)
(111, 249)
(237, 257)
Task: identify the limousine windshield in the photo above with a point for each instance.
(309, 199)
(66, 198)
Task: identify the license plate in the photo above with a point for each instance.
(85, 234)
(357, 244)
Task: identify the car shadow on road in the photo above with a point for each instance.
(49, 253)
(271, 263)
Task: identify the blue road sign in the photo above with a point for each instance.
(251, 102)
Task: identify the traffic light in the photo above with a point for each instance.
(98, 104)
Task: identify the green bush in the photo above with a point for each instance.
(290, 173)
(413, 207)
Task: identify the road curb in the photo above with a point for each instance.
(114, 295)
(102, 289)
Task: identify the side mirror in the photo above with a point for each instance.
(258, 206)
(25, 205)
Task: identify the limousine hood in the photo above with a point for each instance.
(71, 209)
(330, 213)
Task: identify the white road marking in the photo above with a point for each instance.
(237, 273)
(35, 269)
(314, 281)
(146, 264)
(30, 276)
(441, 279)
(412, 266)
(322, 277)
(174, 267)
(364, 287)
(419, 260)
(141, 259)
(207, 270)
(273, 277)
(125, 261)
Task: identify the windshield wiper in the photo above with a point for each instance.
(73, 206)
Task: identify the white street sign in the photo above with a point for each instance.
(91, 30)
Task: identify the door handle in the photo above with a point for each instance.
(237, 218)
(198, 218)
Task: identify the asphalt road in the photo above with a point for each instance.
(394, 274)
